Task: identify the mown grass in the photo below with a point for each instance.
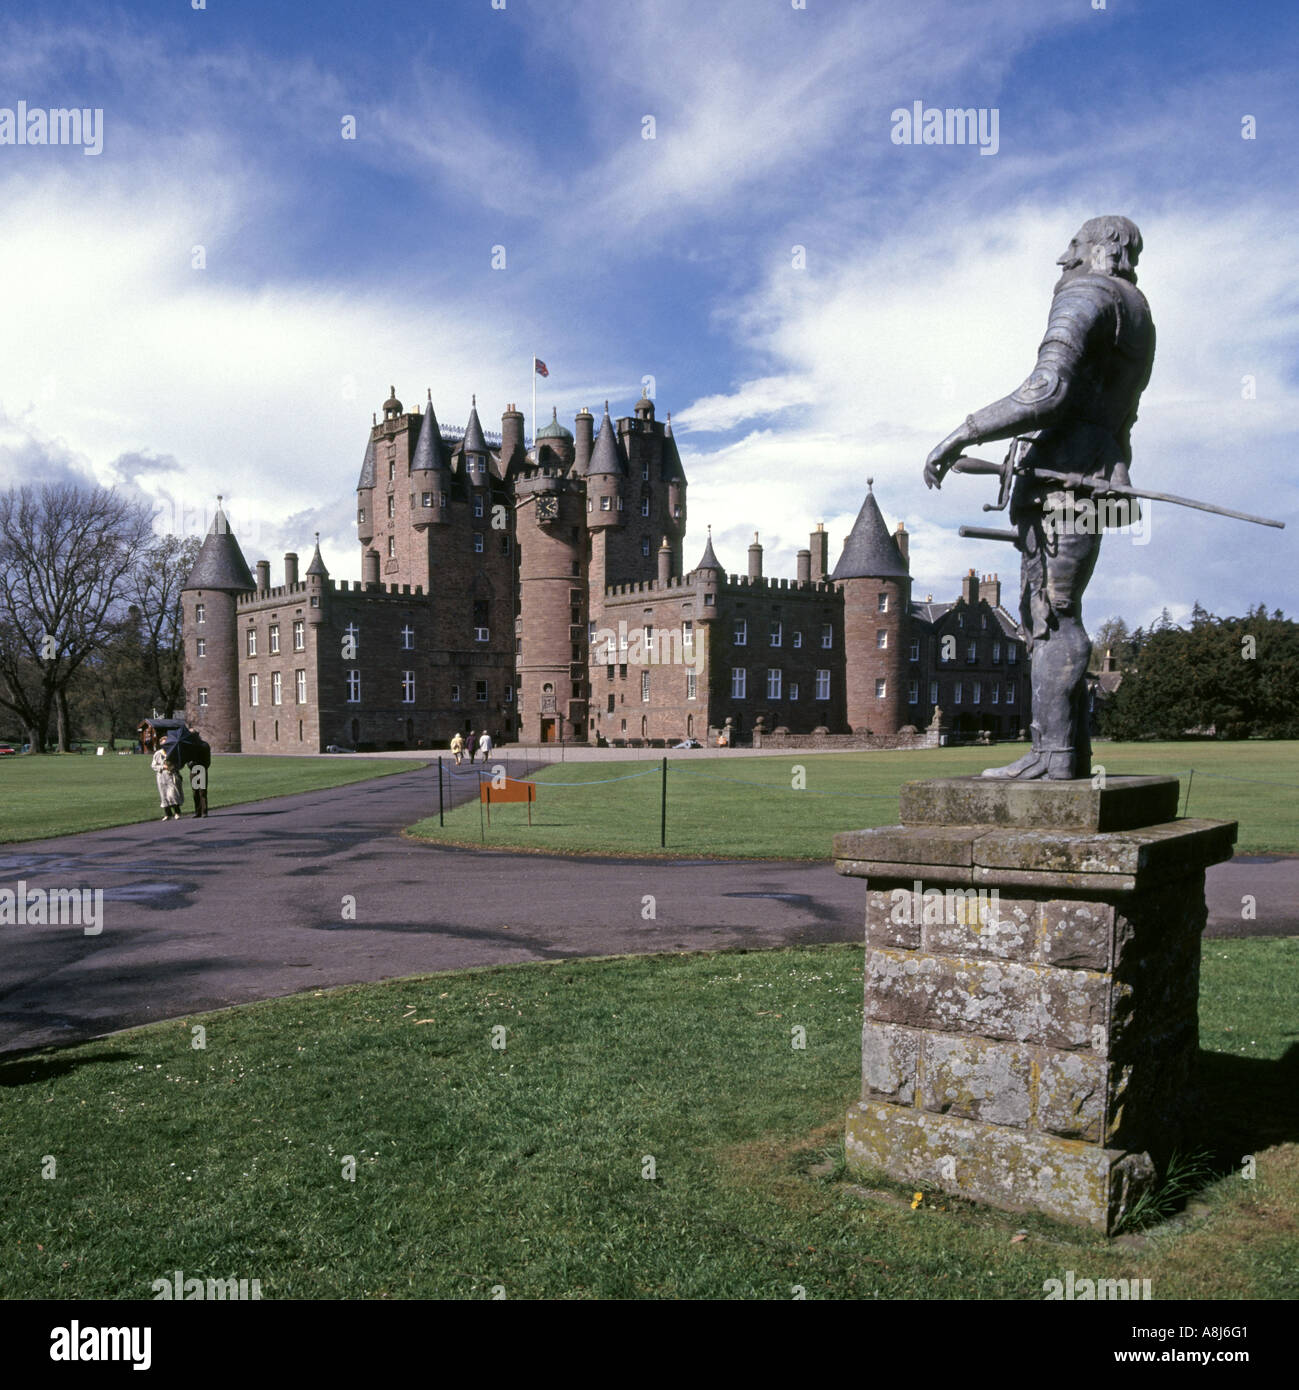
(742, 807)
(65, 794)
(524, 1167)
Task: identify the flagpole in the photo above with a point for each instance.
(534, 402)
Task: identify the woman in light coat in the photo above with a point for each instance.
(458, 748)
(171, 790)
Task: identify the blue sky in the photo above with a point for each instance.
(332, 267)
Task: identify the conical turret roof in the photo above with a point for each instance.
(708, 560)
(606, 456)
(220, 563)
(672, 467)
(317, 565)
(367, 467)
(430, 450)
(870, 551)
(474, 443)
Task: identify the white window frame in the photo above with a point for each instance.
(353, 688)
(775, 680)
(408, 687)
(823, 684)
(739, 683)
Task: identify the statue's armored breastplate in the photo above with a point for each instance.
(1117, 354)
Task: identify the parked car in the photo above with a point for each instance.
(688, 743)
(338, 748)
(6, 750)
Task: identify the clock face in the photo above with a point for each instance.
(547, 507)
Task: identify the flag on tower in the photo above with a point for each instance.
(540, 367)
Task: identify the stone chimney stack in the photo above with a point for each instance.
(584, 439)
(665, 562)
(290, 569)
(755, 558)
(263, 576)
(804, 566)
(991, 589)
(820, 552)
(370, 567)
(512, 433)
(1108, 664)
(903, 543)
(970, 588)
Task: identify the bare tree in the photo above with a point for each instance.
(65, 554)
(155, 591)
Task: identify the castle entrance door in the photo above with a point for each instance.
(547, 731)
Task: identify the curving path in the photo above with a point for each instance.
(250, 905)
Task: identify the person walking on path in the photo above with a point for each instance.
(485, 745)
(171, 790)
(458, 748)
(471, 746)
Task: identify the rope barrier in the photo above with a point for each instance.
(771, 787)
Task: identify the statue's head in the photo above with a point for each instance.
(1104, 246)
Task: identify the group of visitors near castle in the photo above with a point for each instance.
(464, 743)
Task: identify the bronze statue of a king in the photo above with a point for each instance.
(1070, 420)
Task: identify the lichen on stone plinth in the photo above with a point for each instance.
(1031, 999)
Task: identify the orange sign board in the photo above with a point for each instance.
(491, 794)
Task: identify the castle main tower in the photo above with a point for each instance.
(208, 629)
(874, 577)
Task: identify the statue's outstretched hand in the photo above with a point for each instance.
(938, 462)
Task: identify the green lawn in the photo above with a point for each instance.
(523, 1167)
(749, 807)
(64, 794)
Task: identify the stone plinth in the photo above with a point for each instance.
(1032, 981)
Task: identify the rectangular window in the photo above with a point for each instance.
(741, 632)
(739, 682)
(252, 641)
(688, 636)
(360, 516)
(442, 499)
(300, 687)
(408, 687)
(392, 547)
(881, 638)
(971, 652)
(1010, 692)
(392, 506)
(276, 692)
(252, 690)
(773, 683)
(480, 692)
(956, 693)
(478, 542)
(604, 504)
(354, 687)
(200, 646)
(777, 632)
(798, 640)
(996, 693)
(644, 471)
(275, 639)
(426, 499)
(827, 635)
(509, 694)
(1012, 653)
(915, 651)
(692, 685)
(202, 697)
(933, 692)
(881, 689)
(478, 505)
(392, 470)
(883, 605)
(996, 653)
(913, 692)
(455, 694)
(200, 613)
(644, 545)
(977, 688)
(408, 638)
(482, 634)
(299, 635)
(644, 506)
(644, 685)
(823, 685)
(793, 690)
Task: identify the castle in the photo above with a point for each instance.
(541, 594)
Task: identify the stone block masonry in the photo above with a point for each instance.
(1030, 1026)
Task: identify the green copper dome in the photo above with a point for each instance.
(554, 430)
